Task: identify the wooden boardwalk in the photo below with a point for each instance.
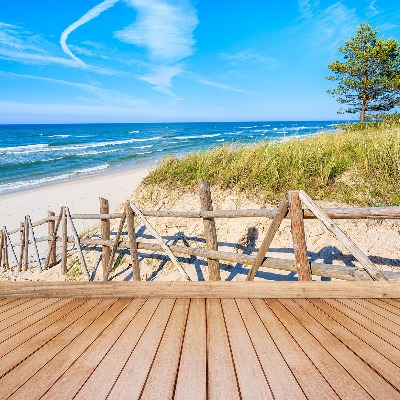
(199, 348)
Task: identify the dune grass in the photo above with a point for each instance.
(360, 167)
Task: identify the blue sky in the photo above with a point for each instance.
(175, 60)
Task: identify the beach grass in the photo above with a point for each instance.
(356, 166)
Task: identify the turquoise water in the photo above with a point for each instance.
(34, 155)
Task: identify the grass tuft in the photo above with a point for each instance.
(356, 166)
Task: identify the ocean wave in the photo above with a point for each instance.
(134, 132)
(28, 148)
(196, 136)
(25, 184)
(59, 136)
(44, 148)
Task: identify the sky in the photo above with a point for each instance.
(176, 60)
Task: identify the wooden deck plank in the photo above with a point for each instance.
(340, 380)
(298, 361)
(133, 377)
(18, 336)
(364, 313)
(380, 309)
(393, 302)
(367, 322)
(43, 379)
(362, 361)
(222, 381)
(161, 380)
(370, 334)
(13, 304)
(388, 307)
(13, 355)
(11, 312)
(68, 385)
(27, 369)
(282, 382)
(4, 302)
(26, 312)
(258, 289)
(96, 386)
(192, 374)
(200, 348)
(25, 325)
(247, 365)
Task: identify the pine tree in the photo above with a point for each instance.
(369, 78)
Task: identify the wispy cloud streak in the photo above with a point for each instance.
(165, 29)
(106, 96)
(91, 14)
(372, 9)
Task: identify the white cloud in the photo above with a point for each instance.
(327, 27)
(91, 14)
(164, 28)
(161, 78)
(248, 56)
(219, 85)
(104, 96)
(335, 23)
(372, 9)
(308, 8)
(17, 44)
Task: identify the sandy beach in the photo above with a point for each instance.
(80, 195)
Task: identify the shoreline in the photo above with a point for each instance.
(81, 195)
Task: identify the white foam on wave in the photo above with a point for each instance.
(44, 148)
(134, 132)
(196, 136)
(25, 184)
(22, 149)
(96, 152)
(59, 136)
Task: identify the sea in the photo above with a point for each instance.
(37, 155)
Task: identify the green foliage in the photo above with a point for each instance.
(369, 78)
(352, 167)
(378, 122)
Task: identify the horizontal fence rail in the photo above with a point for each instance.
(109, 246)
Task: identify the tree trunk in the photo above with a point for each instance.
(363, 109)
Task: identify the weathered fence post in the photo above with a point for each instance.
(77, 244)
(299, 239)
(105, 234)
(22, 249)
(130, 221)
(64, 236)
(6, 264)
(26, 245)
(275, 224)
(51, 224)
(210, 230)
(114, 248)
(1, 248)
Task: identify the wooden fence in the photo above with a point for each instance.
(296, 206)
